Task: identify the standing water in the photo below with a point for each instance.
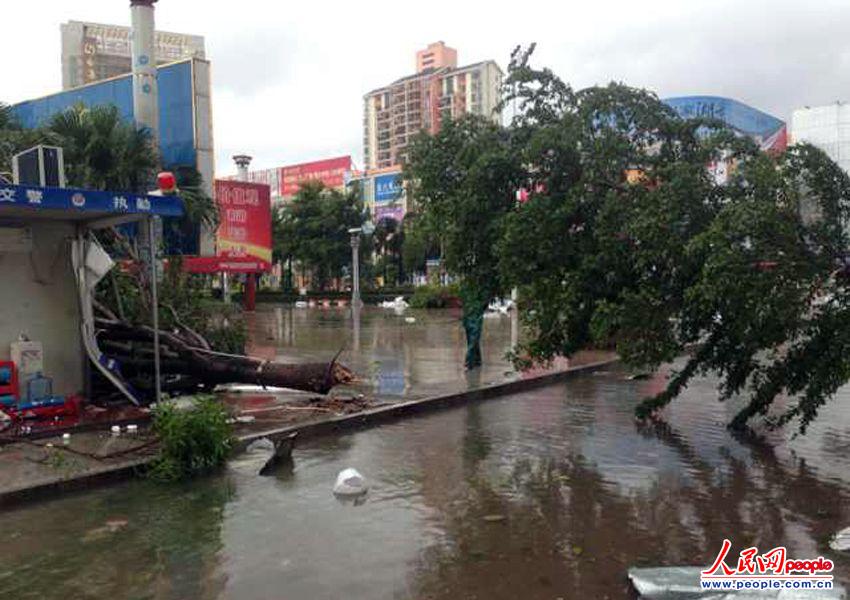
(548, 494)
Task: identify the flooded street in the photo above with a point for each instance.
(548, 494)
(396, 355)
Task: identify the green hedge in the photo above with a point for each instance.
(435, 296)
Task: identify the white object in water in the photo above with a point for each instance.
(398, 304)
(66, 438)
(350, 482)
(500, 306)
(132, 428)
(840, 542)
(410, 320)
(116, 430)
(300, 304)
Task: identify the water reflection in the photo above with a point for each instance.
(554, 493)
(133, 541)
(396, 355)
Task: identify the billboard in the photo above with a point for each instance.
(387, 188)
(245, 227)
(766, 130)
(331, 172)
(389, 212)
(286, 181)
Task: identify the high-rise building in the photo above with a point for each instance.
(92, 51)
(438, 90)
(827, 127)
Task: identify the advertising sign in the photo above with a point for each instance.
(389, 212)
(331, 172)
(387, 188)
(766, 130)
(245, 228)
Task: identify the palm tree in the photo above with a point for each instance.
(13, 139)
(102, 151)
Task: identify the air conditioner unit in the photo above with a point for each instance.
(43, 166)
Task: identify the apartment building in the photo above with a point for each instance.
(439, 90)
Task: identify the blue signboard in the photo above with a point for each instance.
(736, 114)
(176, 121)
(88, 201)
(387, 188)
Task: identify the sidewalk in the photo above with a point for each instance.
(403, 368)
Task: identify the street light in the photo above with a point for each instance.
(355, 266)
(368, 228)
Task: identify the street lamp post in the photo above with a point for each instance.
(355, 266)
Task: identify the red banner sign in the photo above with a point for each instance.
(245, 228)
(331, 172)
(220, 264)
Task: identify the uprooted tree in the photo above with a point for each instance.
(628, 239)
(201, 341)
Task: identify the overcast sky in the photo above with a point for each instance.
(288, 77)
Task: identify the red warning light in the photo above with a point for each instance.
(166, 182)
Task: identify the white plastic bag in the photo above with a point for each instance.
(350, 482)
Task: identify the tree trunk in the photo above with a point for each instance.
(132, 346)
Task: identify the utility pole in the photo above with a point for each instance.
(145, 92)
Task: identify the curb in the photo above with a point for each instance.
(309, 429)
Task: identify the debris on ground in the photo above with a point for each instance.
(350, 482)
(494, 518)
(341, 404)
(840, 542)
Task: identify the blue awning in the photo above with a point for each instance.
(70, 204)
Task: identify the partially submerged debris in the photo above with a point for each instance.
(840, 542)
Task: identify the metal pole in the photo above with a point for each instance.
(355, 270)
(155, 308)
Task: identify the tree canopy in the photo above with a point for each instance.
(313, 230)
(463, 180)
(628, 238)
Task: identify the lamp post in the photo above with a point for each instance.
(355, 266)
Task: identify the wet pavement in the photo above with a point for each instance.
(548, 494)
(397, 356)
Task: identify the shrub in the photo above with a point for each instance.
(193, 441)
(433, 296)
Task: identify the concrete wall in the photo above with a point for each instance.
(38, 298)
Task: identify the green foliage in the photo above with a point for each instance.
(13, 139)
(102, 151)
(388, 239)
(434, 296)
(199, 206)
(463, 179)
(313, 230)
(184, 301)
(193, 441)
(420, 243)
(627, 238)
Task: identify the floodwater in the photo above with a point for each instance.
(548, 494)
(405, 355)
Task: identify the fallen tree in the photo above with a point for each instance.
(187, 363)
(201, 342)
